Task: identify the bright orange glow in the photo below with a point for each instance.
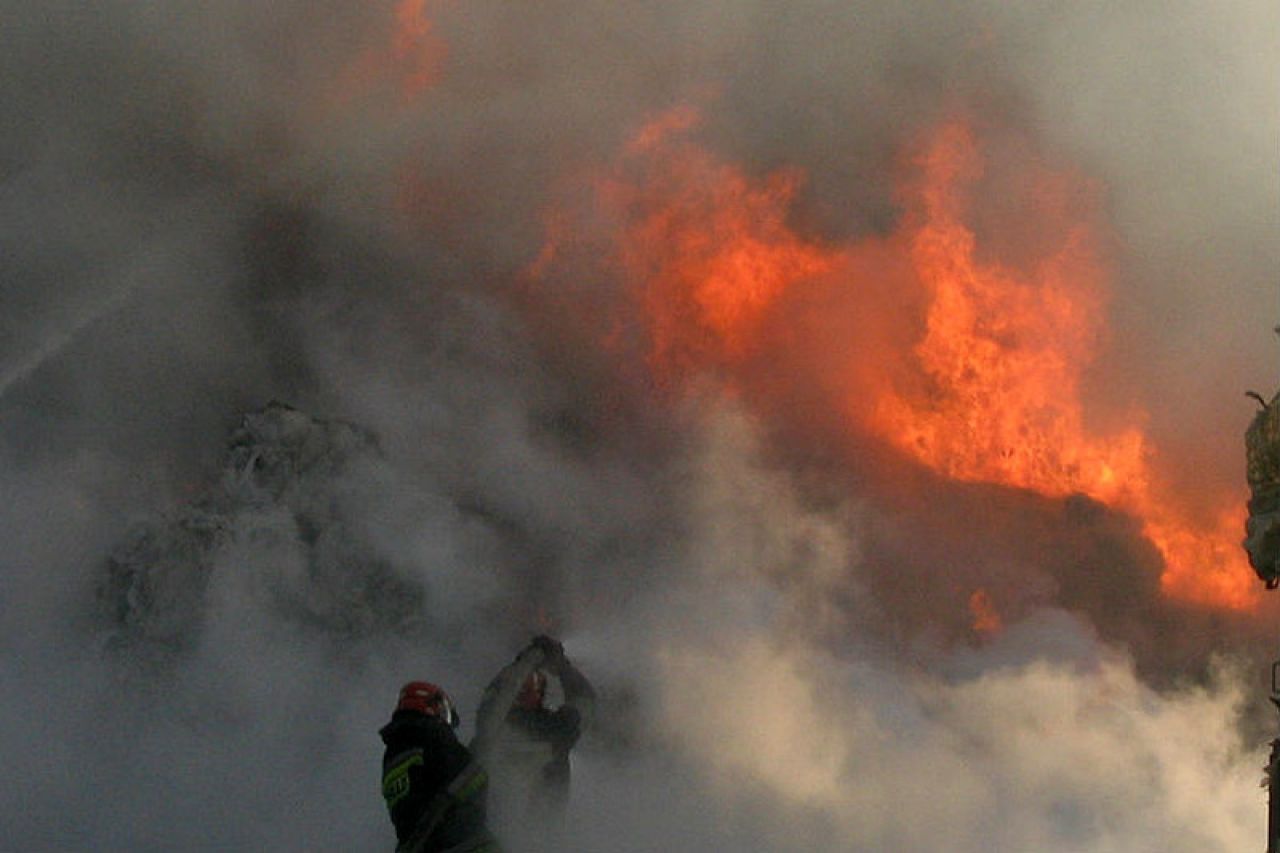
(708, 249)
(1204, 562)
(1002, 361)
(990, 390)
(1002, 357)
(986, 619)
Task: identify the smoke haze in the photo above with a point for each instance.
(413, 219)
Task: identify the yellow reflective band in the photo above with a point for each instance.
(468, 782)
(395, 783)
(473, 786)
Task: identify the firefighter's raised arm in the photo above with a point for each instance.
(500, 695)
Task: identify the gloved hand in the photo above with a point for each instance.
(549, 646)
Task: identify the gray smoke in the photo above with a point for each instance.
(208, 207)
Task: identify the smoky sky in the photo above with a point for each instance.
(207, 207)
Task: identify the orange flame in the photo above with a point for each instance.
(1002, 361)
(417, 47)
(994, 392)
(986, 619)
(1002, 357)
(708, 250)
(411, 59)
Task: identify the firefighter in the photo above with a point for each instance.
(524, 744)
(435, 792)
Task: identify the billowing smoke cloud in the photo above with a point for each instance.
(1042, 738)
(210, 207)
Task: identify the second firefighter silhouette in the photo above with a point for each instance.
(524, 744)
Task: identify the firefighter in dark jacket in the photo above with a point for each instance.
(524, 744)
(434, 790)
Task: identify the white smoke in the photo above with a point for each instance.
(1042, 739)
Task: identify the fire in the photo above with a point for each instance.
(1002, 357)
(410, 58)
(986, 619)
(991, 390)
(707, 249)
(416, 46)
(1203, 563)
(1001, 363)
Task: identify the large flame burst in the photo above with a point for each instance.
(1003, 356)
(992, 390)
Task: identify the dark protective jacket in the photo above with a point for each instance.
(434, 791)
(526, 751)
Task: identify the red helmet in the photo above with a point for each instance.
(532, 691)
(427, 698)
